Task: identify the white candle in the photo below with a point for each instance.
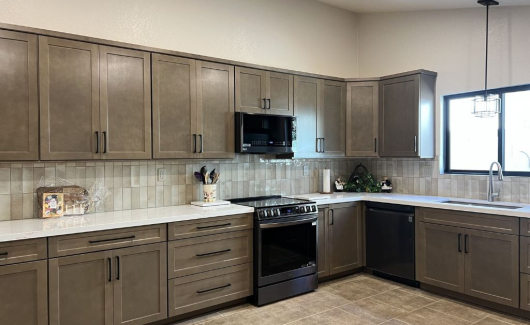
(327, 181)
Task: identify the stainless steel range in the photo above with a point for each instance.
(285, 247)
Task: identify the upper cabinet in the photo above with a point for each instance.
(193, 108)
(406, 117)
(125, 103)
(95, 101)
(320, 110)
(18, 96)
(174, 107)
(362, 119)
(264, 92)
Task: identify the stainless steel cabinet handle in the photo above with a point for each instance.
(202, 143)
(264, 103)
(214, 253)
(111, 239)
(323, 145)
(214, 226)
(216, 288)
(194, 143)
(97, 142)
(375, 144)
(415, 144)
(318, 145)
(466, 243)
(109, 262)
(460, 243)
(104, 141)
(269, 100)
(117, 267)
(331, 217)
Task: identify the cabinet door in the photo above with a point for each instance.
(69, 99)
(362, 119)
(251, 90)
(24, 297)
(140, 284)
(125, 103)
(492, 267)
(525, 292)
(18, 97)
(280, 93)
(330, 120)
(81, 289)
(215, 110)
(344, 231)
(440, 256)
(307, 102)
(174, 107)
(399, 99)
(322, 260)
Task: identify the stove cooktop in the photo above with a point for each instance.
(268, 201)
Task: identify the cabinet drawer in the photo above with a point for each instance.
(22, 251)
(525, 227)
(103, 240)
(208, 289)
(195, 255)
(479, 221)
(195, 228)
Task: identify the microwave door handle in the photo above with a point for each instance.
(286, 224)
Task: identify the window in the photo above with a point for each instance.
(473, 143)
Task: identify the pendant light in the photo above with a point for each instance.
(487, 105)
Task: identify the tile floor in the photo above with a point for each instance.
(359, 300)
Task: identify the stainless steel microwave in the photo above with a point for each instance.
(265, 133)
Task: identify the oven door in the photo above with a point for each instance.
(287, 249)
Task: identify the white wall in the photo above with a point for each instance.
(301, 35)
(451, 42)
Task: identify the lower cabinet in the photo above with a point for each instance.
(121, 286)
(525, 292)
(202, 290)
(478, 263)
(340, 239)
(24, 294)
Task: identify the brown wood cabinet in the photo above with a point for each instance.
(362, 119)
(482, 264)
(95, 101)
(322, 257)
(492, 267)
(24, 293)
(331, 119)
(174, 107)
(406, 119)
(215, 110)
(19, 137)
(69, 100)
(123, 286)
(263, 92)
(307, 104)
(525, 292)
(344, 238)
(440, 256)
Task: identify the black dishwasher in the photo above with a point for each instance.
(390, 241)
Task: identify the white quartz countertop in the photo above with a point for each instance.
(38, 228)
(423, 201)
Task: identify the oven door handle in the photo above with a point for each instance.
(289, 223)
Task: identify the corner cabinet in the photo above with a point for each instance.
(19, 137)
(407, 115)
(362, 119)
(263, 92)
(95, 101)
(466, 259)
(339, 239)
(320, 108)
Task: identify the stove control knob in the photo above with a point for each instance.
(305, 209)
(261, 214)
(313, 208)
(278, 212)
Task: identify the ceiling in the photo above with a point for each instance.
(367, 6)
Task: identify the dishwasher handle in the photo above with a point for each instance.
(405, 214)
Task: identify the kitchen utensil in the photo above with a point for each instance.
(198, 176)
(204, 173)
(212, 175)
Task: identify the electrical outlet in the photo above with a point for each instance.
(162, 174)
(306, 170)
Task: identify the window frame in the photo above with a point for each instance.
(501, 131)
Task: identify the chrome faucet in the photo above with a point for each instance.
(492, 195)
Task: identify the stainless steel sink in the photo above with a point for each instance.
(486, 205)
